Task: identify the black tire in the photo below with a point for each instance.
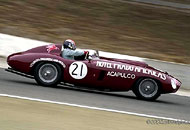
(147, 89)
(47, 74)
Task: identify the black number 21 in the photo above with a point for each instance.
(76, 66)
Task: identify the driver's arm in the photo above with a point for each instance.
(76, 53)
(72, 54)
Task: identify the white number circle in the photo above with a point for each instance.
(78, 70)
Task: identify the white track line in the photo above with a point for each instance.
(95, 108)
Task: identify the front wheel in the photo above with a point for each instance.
(147, 89)
(47, 74)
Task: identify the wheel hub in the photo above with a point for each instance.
(147, 88)
(48, 72)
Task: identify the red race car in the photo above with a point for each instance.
(49, 68)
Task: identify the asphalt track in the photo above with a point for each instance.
(170, 106)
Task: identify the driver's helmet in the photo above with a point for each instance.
(70, 44)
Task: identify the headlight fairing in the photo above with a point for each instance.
(175, 83)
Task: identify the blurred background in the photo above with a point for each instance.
(119, 26)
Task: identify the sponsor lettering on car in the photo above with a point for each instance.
(129, 68)
(122, 75)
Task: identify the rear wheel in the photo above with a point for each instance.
(147, 89)
(47, 74)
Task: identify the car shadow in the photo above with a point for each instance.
(115, 94)
(31, 83)
(67, 87)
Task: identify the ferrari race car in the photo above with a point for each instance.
(49, 68)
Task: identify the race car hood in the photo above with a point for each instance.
(138, 63)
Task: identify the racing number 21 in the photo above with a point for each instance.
(74, 73)
(78, 70)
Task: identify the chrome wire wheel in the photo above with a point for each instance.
(48, 73)
(148, 88)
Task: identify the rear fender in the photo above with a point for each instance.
(51, 60)
(47, 60)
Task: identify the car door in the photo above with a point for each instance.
(111, 75)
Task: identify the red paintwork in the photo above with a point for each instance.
(22, 61)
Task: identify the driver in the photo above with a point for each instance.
(69, 50)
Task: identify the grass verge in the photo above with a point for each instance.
(17, 114)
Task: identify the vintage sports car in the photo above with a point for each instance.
(49, 68)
